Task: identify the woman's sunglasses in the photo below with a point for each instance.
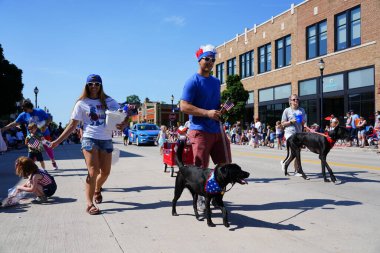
(207, 59)
(92, 84)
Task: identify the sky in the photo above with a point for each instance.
(140, 47)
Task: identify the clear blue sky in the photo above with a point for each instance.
(146, 48)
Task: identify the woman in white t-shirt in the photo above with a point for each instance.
(97, 138)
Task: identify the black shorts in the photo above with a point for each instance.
(50, 189)
(36, 156)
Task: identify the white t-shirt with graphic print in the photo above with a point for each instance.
(92, 114)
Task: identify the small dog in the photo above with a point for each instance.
(317, 143)
(206, 182)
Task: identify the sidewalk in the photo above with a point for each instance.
(136, 212)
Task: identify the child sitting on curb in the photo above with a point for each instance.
(39, 181)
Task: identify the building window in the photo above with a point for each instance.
(279, 92)
(231, 67)
(363, 104)
(308, 87)
(246, 64)
(361, 78)
(265, 58)
(283, 51)
(250, 98)
(347, 29)
(283, 91)
(219, 72)
(333, 83)
(266, 95)
(316, 40)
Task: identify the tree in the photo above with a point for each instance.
(133, 99)
(10, 85)
(238, 95)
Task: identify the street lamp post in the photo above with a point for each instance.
(36, 92)
(171, 121)
(321, 65)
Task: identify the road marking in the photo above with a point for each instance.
(355, 166)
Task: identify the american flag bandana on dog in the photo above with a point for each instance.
(228, 105)
(211, 185)
(33, 143)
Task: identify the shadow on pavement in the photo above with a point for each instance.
(302, 206)
(73, 151)
(266, 180)
(57, 200)
(352, 177)
(346, 177)
(137, 189)
(307, 204)
(75, 172)
(144, 206)
(241, 221)
(20, 208)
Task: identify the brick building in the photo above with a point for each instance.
(159, 113)
(280, 57)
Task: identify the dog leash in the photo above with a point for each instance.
(223, 133)
(224, 189)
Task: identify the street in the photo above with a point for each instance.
(273, 213)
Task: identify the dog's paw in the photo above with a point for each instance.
(210, 224)
(326, 180)
(174, 214)
(226, 224)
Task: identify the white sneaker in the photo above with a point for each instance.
(282, 166)
(296, 174)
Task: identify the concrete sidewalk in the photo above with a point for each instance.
(136, 212)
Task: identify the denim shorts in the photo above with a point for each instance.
(103, 145)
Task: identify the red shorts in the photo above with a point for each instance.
(209, 144)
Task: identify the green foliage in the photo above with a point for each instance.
(238, 95)
(133, 99)
(10, 85)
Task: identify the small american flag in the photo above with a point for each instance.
(228, 105)
(33, 143)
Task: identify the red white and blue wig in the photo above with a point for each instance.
(206, 51)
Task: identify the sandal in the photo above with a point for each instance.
(92, 210)
(98, 197)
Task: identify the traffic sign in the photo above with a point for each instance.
(172, 116)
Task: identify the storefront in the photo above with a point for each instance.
(349, 90)
(272, 102)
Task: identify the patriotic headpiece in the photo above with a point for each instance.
(204, 51)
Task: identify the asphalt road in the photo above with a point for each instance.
(273, 213)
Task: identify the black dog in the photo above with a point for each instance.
(195, 179)
(317, 143)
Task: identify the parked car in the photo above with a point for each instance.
(144, 133)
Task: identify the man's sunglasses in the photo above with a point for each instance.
(92, 84)
(207, 59)
(295, 99)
